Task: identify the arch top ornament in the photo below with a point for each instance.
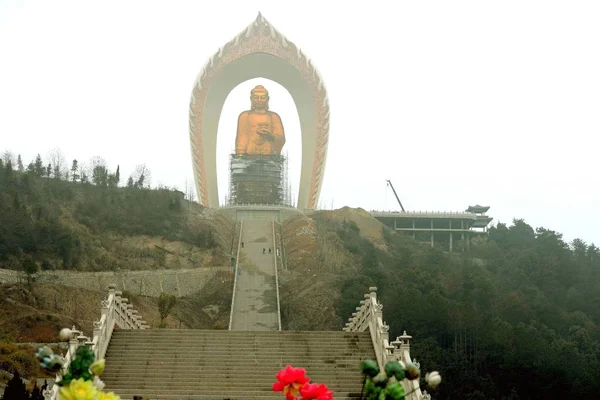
(259, 51)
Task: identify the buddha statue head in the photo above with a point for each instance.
(259, 98)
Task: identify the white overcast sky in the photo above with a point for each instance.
(457, 102)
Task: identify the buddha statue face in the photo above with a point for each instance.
(259, 98)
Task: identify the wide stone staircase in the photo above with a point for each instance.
(212, 364)
(255, 305)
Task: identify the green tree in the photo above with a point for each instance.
(15, 389)
(100, 176)
(20, 166)
(39, 166)
(30, 268)
(74, 171)
(166, 302)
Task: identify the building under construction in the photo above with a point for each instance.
(258, 179)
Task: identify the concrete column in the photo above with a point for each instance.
(462, 235)
(395, 224)
(432, 233)
(450, 236)
(414, 233)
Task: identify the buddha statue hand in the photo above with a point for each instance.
(266, 134)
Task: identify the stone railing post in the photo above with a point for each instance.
(370, 316)
(113, 311)
(401, 353)
(73, 344)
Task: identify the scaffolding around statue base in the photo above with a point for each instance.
(258, 179)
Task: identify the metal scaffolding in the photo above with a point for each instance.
(258, 179)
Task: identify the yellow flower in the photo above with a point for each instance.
(78, 389)
(108, 396)
(97, 368)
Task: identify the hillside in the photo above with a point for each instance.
(517, 317)
(52, 224)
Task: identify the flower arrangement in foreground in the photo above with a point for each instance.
(293, 382)
(378, 385)
(82, 381)
(385, 385)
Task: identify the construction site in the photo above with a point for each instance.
(258, 179)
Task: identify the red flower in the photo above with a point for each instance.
(314, 391)
(290, 380)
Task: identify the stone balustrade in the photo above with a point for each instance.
(276, 252)
(115, 311)
(369, 315)
(236, 272)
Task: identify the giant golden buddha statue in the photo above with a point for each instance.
(259, 130)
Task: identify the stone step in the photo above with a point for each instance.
(219, 375)
(203, 345)
(248, 352)
(243, 344)
(249, 355)
(125, 395)
(240, 341)
(240, 393)
(192, 364)
(240, 345)
(207, 386)
(220, 332)
(232, 360)
(253, 379)
(225, 374)
(181, 367)
(349, 385)
(232, 371)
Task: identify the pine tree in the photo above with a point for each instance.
(49, 170)
(39, 166)
(8, 170)
(15, 389)
(118, 175)
(74, 169)
(20, 166)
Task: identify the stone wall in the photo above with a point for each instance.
(180, 282)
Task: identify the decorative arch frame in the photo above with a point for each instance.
(259, 51)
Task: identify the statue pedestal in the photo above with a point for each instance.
(258, 179)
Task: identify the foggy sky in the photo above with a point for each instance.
(457, 103)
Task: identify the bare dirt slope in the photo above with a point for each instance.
(36, 314)
(317, 260)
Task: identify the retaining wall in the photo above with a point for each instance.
(180, 282)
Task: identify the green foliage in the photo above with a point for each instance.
(166, 302)
(15, 359)
(79, 367)
(517, 316)
(384, 384)
(41, 219)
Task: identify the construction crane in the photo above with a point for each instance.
(395, 194)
